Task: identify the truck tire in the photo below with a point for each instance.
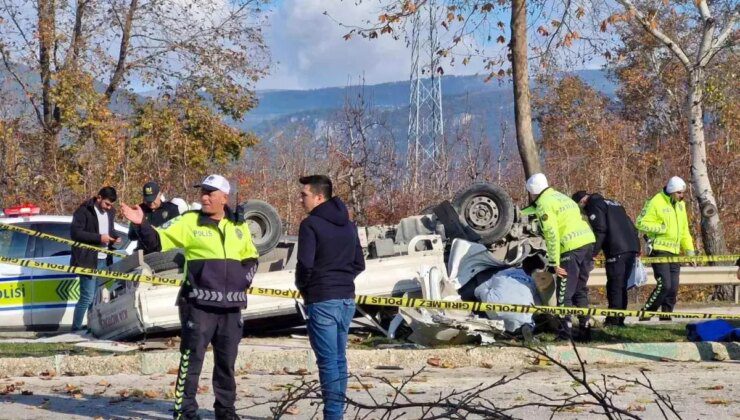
(264, 224)
(166, 261)
(487, 209)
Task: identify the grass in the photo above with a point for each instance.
(43, 350)
(669, 333)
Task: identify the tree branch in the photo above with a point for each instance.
(656, 33)
(719, 43)
(23, 86)
(117, 77)
(77, 38)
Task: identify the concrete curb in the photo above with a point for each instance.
(251, 359)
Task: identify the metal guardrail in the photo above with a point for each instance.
(707, 276)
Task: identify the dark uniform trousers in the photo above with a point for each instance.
(666, 290)
(618, 271)
(202, 325)
(573, 290)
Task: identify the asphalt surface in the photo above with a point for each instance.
(698, 390)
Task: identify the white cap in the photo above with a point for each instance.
(675, 184)
(536, 183)
(215, 182)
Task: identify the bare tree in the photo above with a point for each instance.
(712, 32)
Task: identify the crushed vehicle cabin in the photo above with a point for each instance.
(406, 259)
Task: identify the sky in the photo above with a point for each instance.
(308, 50)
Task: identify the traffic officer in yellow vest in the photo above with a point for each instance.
(569, 241)
(664, 221)
(220, 262)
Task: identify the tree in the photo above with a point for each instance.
(702, 38)
(214, 48)
(520, 71)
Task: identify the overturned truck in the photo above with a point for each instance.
(411, 258)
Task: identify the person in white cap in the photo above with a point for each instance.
(569, 241)
(220, 262)
(665, 224)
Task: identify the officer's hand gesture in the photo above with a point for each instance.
(134, 214)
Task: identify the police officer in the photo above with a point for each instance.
(569, 241)
(617, 235)
(664, 221)
(156, 211)
(220, 262)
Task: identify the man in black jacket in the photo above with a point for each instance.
(329, 258)
(617, 236)
(92, 224)
(156, 211)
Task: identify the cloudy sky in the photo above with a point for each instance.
(308, 50)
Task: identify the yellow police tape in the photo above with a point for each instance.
(31, 232)
(374, 300)
(690, 259)
(646, 260)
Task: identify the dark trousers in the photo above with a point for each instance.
(618, 270)
(572, 290)
(202, 326)
(666, 289)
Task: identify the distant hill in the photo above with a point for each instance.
(463, 97)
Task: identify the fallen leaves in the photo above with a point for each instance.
(540, 360)
(26, 392)
(360, 386)
(48, 374)
(636, 407)
(173, 371)
(292, 410)
(717, 401)
(299, 372)
(486, 365)
(28, 374)
(203, 389)
(437, 362)
(7, 389)
(714, 388)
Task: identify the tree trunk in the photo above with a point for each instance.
(712, 231)
(522, 109)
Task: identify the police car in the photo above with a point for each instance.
(36, 299)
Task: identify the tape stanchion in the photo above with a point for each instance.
(76, 244)
(374, 300)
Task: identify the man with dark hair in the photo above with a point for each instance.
(617, 235)
(92, 224)
(329, 258)
(220, 263)
(156, 211)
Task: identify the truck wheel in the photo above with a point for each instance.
(264, 224)
(166, 261)
(487, 209)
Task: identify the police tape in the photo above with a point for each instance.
(690, 259)
(405, 302)
(645, 260)
(114, 275)
(76, 244)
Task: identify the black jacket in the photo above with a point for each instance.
(85, 229)
(614, 230)
(156, 218)
(329, 254)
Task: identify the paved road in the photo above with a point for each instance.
(698, 390)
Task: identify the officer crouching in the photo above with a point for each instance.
(220, 262)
